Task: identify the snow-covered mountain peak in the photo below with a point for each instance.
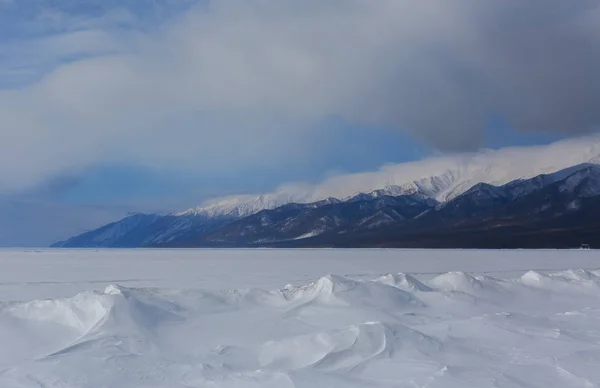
(240, 206)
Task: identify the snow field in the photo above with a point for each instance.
(538, 328)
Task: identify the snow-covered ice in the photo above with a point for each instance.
(299, 318)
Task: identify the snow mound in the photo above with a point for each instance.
(578, 275)
(82, 312)
(404, 282)
(463, 282)
(344, 349)
(571, 279)
(535, 279)
(118, 316)
(141, 308)
(341, 291)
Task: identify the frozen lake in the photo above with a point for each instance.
(47, 273)
(299, 318)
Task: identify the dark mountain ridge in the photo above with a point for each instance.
(552, 210)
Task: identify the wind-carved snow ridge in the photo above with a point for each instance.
(404, 282)
(440, 178)
(345, 349)
(539, 329)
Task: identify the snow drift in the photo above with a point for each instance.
(540, 329)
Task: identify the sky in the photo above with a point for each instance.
(115, 106)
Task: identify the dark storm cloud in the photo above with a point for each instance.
(264, 70)
(533, 63)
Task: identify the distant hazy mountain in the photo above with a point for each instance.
(145, 230)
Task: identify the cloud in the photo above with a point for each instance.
(442, 176)
(230, 83)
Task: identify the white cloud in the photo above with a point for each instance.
(218, 87)
(442, 177)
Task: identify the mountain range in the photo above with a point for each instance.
(529, 197)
